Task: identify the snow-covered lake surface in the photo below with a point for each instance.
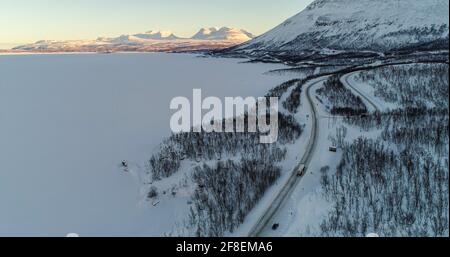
(67, 121)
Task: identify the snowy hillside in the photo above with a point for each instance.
(375, 25)
(223, 34)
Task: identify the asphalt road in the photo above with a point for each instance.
(266, 220)
(346, 82)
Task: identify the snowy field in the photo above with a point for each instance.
(67, 121)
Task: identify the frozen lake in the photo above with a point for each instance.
(67, 121)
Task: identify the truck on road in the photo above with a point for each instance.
(301, 170)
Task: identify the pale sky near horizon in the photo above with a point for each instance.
(26, 21)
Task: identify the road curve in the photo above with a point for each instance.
(344, 80)
(266, 219)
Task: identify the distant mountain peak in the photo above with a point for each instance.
(157, 35)
(223, 33)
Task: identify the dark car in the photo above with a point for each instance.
(275, 226)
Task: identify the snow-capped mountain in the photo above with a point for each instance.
(373, 25)
(159, 41)
(223, 33)
(140, 38)
(157, 35)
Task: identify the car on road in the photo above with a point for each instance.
(275, 226)
(301, 171)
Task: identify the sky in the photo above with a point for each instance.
(26, 21)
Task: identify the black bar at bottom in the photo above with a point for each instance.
(227, 246)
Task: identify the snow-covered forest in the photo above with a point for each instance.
(231, 171)
(414, 85)
(205, 146)
(396, 183)
(340, 100)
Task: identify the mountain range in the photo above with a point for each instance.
(165, 41)
(324, 27)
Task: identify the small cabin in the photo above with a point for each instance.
(333, 149)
